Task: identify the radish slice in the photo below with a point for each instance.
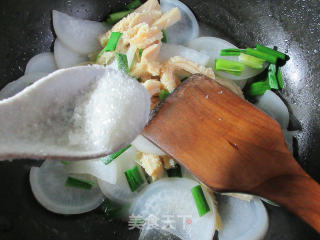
(288, 137)
(16, 86)
(212, 47)
(43, 62)
(170, 50)
(120, 192)
(156, 234)
(186, 29)
(272, 105)
(170, 199)
(79, 35)
(144, 145)
(66, 57)
(48, 187)
(95, 168)
(242, 220)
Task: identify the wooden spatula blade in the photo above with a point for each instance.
(219, 136)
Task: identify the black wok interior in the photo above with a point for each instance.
(293, 26)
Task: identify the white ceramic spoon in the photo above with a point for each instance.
(75, 113)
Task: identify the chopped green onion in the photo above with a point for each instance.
(272, 78)
(163, 94)
(65, 162)
(140, 52)
(112, 43)
(78, 183)
(110, 209)
(175, 172)
(134, 178)
(108, 159)
(266, 56)
(229, 66)
(251, 61)
(122, 62)
(164, 38)
(200, 200)
(231, 52)
(133, 5)
(271, 51)
(279, 78)
(258, 88)
(117, 16)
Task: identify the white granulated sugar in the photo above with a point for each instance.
(110, 113)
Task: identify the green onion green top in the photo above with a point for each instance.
(78, 183)
(232, 67)
(117, 16)
(231, 52)
(108, 159)
(122, 62)
(258, 88)
(279, 78)
(163, 94)
(164, 38)
(263, 55)
(133, 5)
(200, 200)
(65, 162)
(134, 178)
(272, 77)
(271, 51)
(112, 43)
(175, 172)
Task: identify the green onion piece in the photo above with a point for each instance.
(200, 200)
(271, 51)
(163, 94)
(134, 178)
(272, 78)
(140, 52)
(258, 88)
(279, 78)
(117, 16)
(229, 66)
(108, 159)
(78, 183)
(231, 52)
(266, 56)
(110, 209)
(112, 43)
(164, 38)
(175, 172)
(251, 61)
(65, 162)
(133, 5)
(122, 62)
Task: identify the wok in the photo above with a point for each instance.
(293, 26)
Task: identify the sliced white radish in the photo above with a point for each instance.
(272, 105)
(242, 220)
(43, 62)
(186, 29)
(96, 168)
(288, 137)
(212, 47)
(144, 145)
(156, 234)
(170, 201)
(79, 35)
(18, 85)
(120, 192)
(170, 50)
(65, 57)
(48, 187)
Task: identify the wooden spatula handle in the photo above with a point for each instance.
(298, 193)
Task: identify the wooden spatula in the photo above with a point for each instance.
(231, 145)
